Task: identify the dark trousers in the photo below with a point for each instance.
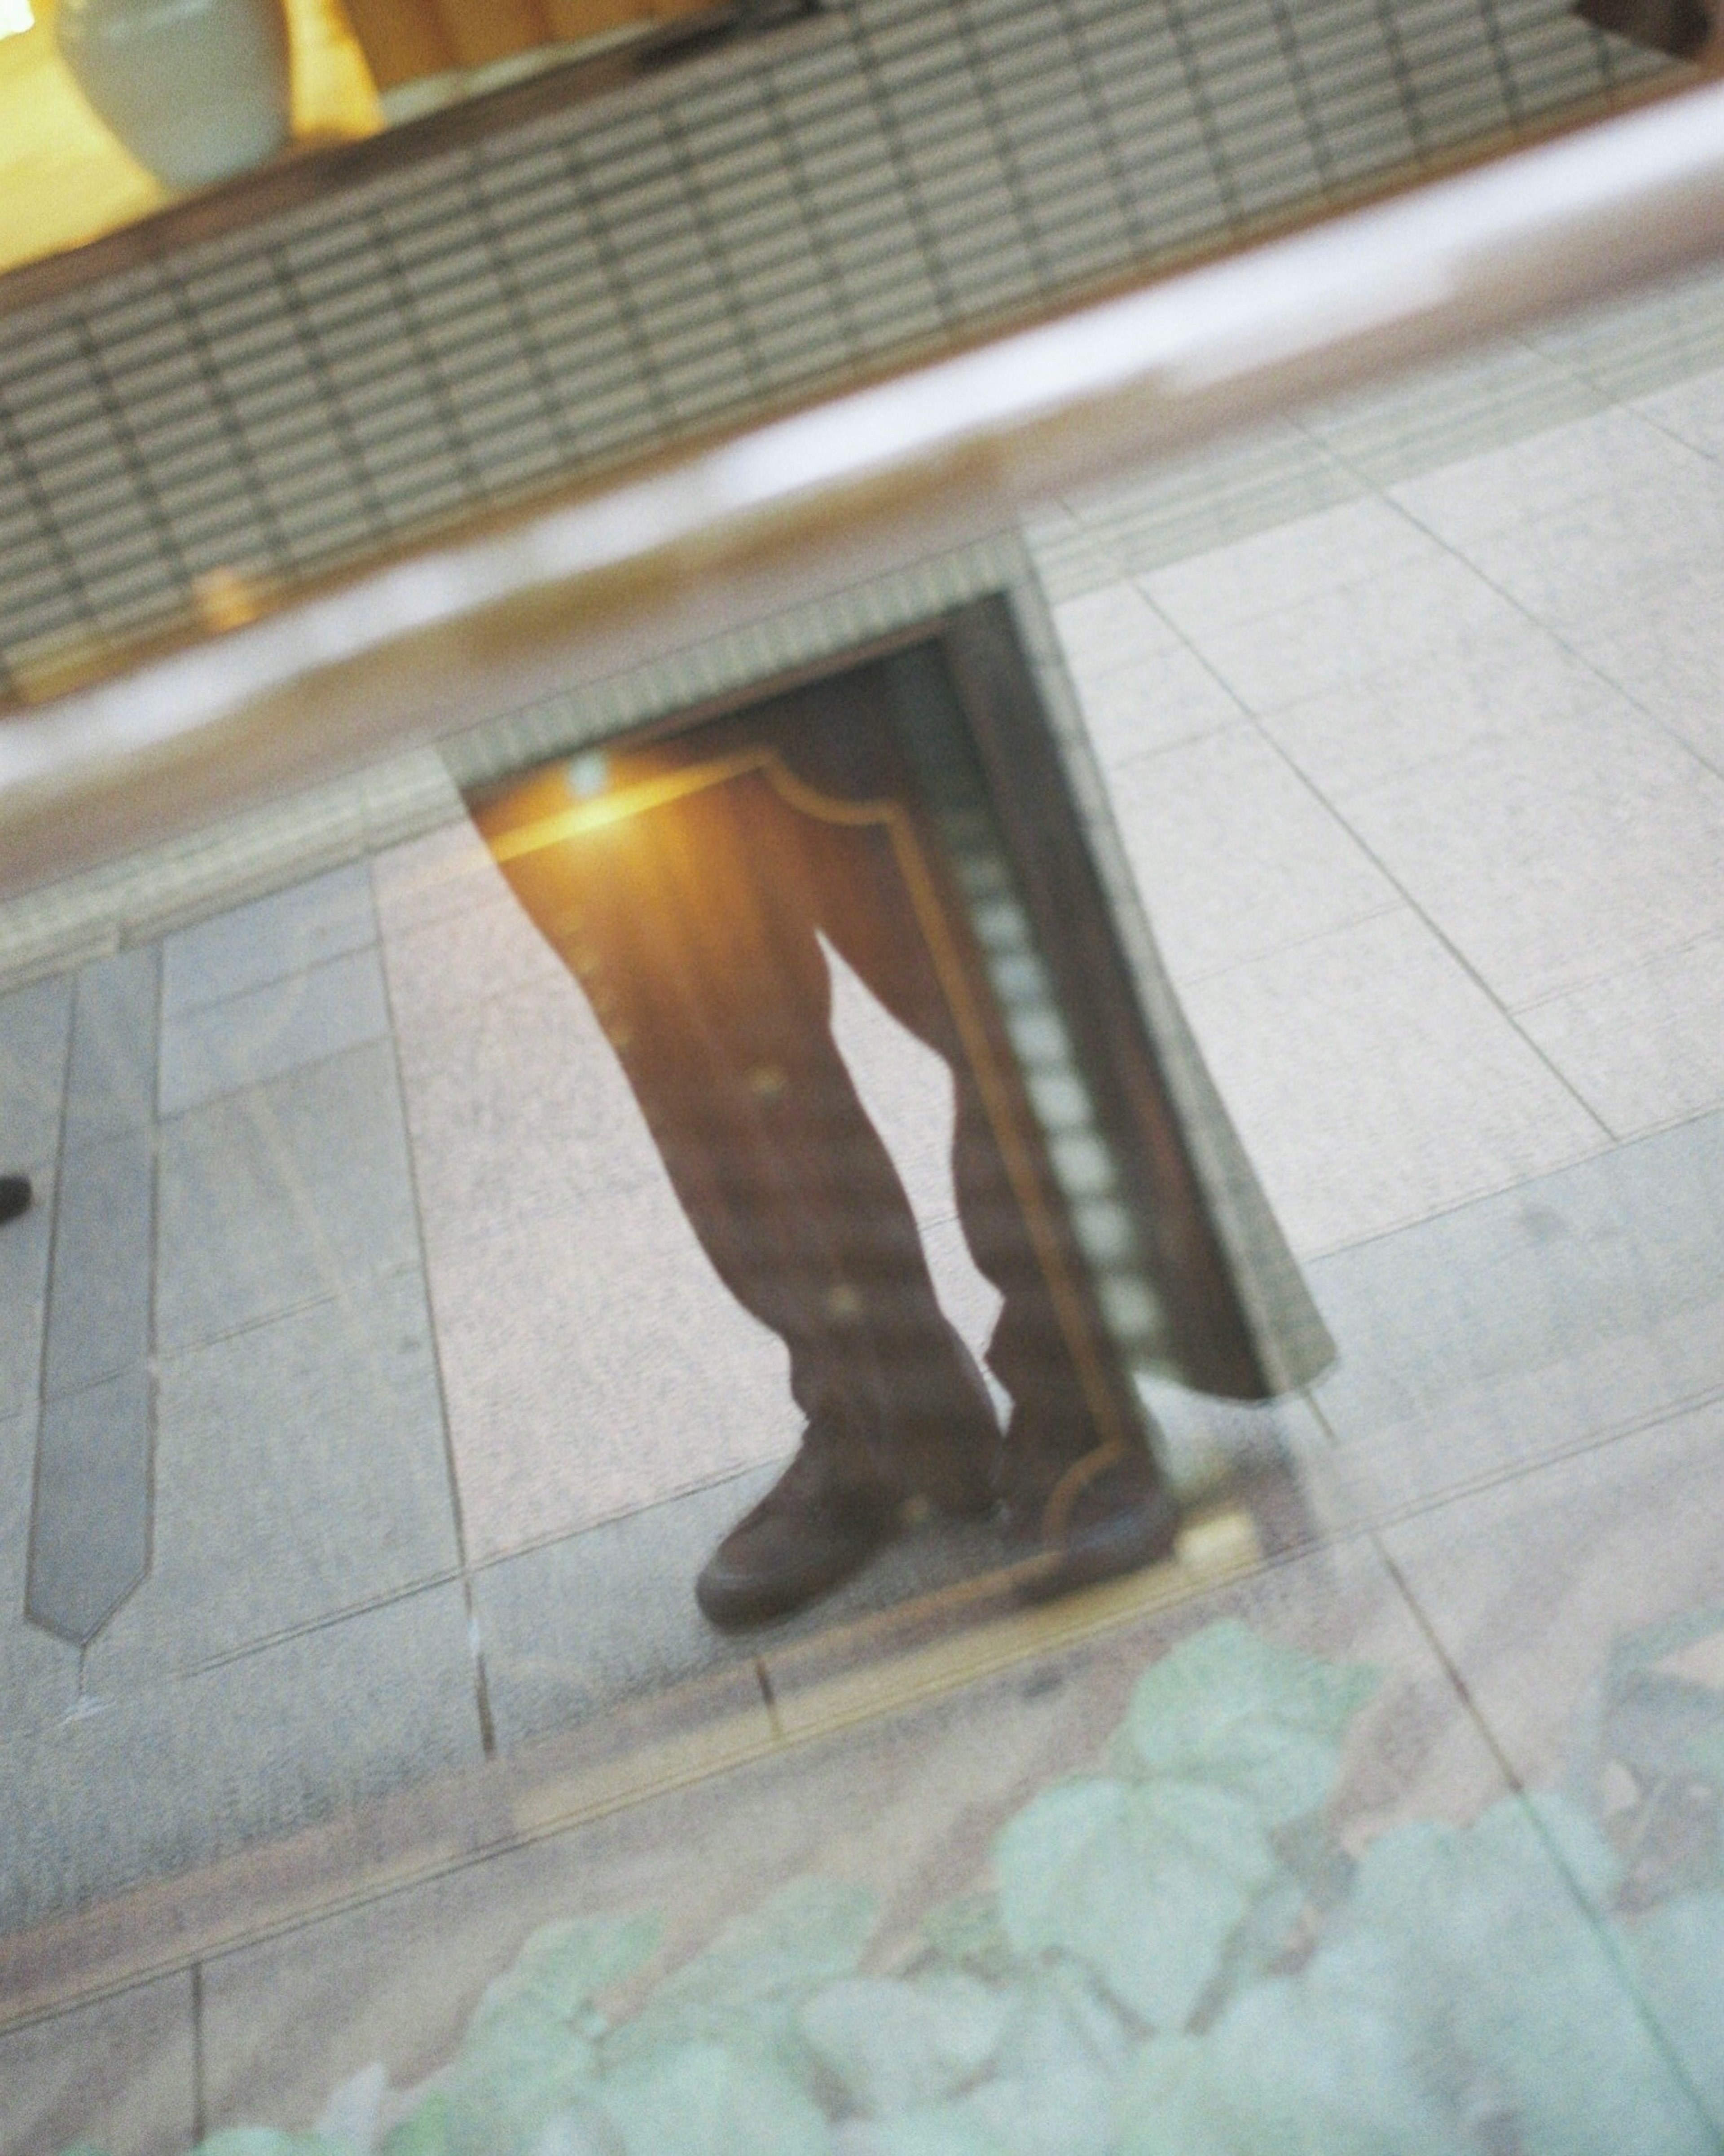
(689, 897)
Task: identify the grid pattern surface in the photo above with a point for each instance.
(455, 334)
(1487, 399)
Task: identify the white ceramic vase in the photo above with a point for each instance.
(196, 89)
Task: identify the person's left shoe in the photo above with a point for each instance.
(1070, 1521)
(15, 1197)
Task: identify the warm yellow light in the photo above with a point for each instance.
(15, 17)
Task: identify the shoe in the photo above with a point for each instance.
(844, 1496)
(15, 1197)
(815, 1527)
(1071, 1521)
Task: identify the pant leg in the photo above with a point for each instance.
(692, 926)
(875, 923)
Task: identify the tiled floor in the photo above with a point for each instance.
(348, 1221)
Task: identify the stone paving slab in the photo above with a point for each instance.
(89, 1524)
(110, 1083)
(276, 938)
(151, 1782)
(99, 1317)
(263, 1033)
(281, 1194)
(35, 1028)
(332, 1493)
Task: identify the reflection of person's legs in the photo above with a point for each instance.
(692, 927)
(1118, 1515)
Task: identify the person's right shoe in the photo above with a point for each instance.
(15, 1197)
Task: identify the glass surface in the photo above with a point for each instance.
(371, 1407)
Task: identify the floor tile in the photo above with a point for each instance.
(1234, 856)
(263, 1033)
(110, 1083)
(1615, 457)
(1611, 550)
(99, 1312)
(1374, 728)
(281, 1194)
(1693, 411)
(970, 1300)
(1139, 685)
(1354, 543)
(432, 878)
(38, 1676)
(1644, 1047)
(1532, 1321)
(24, 1247)
(517, 1106)
(1653, 628)
(334, 1491)
(1419, 610)
(117, 2075)
(1373, 1082)
(35, 1028)
(1208, 1447)
(141, 1786)
(487, 946)
(1531, 1584)
(1582, 1606)
(593, 1363)
(272, 939)
(1169, 698)
(1194, 504)
(906, 1808)
(1559, 851)
(582, 1625)
(90, 1532)
(1112, 629)
(907, 1090)
(1463, 406)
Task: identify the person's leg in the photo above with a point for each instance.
(15, 1197)
(689, 925)
(1080, 1487)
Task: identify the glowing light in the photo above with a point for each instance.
(588, 775)
(15, 17)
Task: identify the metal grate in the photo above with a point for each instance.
(451, 336)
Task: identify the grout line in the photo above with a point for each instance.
(291, 975)
(1184, 983)
(1421, 1507)
(1645, 964)
(1522, 1183)
(451, 1465)
(251, 1087)
(1447, 942)
(1557, 1857)
(1589, 665)
(200, 2089)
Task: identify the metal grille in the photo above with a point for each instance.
(456, 334)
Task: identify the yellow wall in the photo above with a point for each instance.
(64, 179)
